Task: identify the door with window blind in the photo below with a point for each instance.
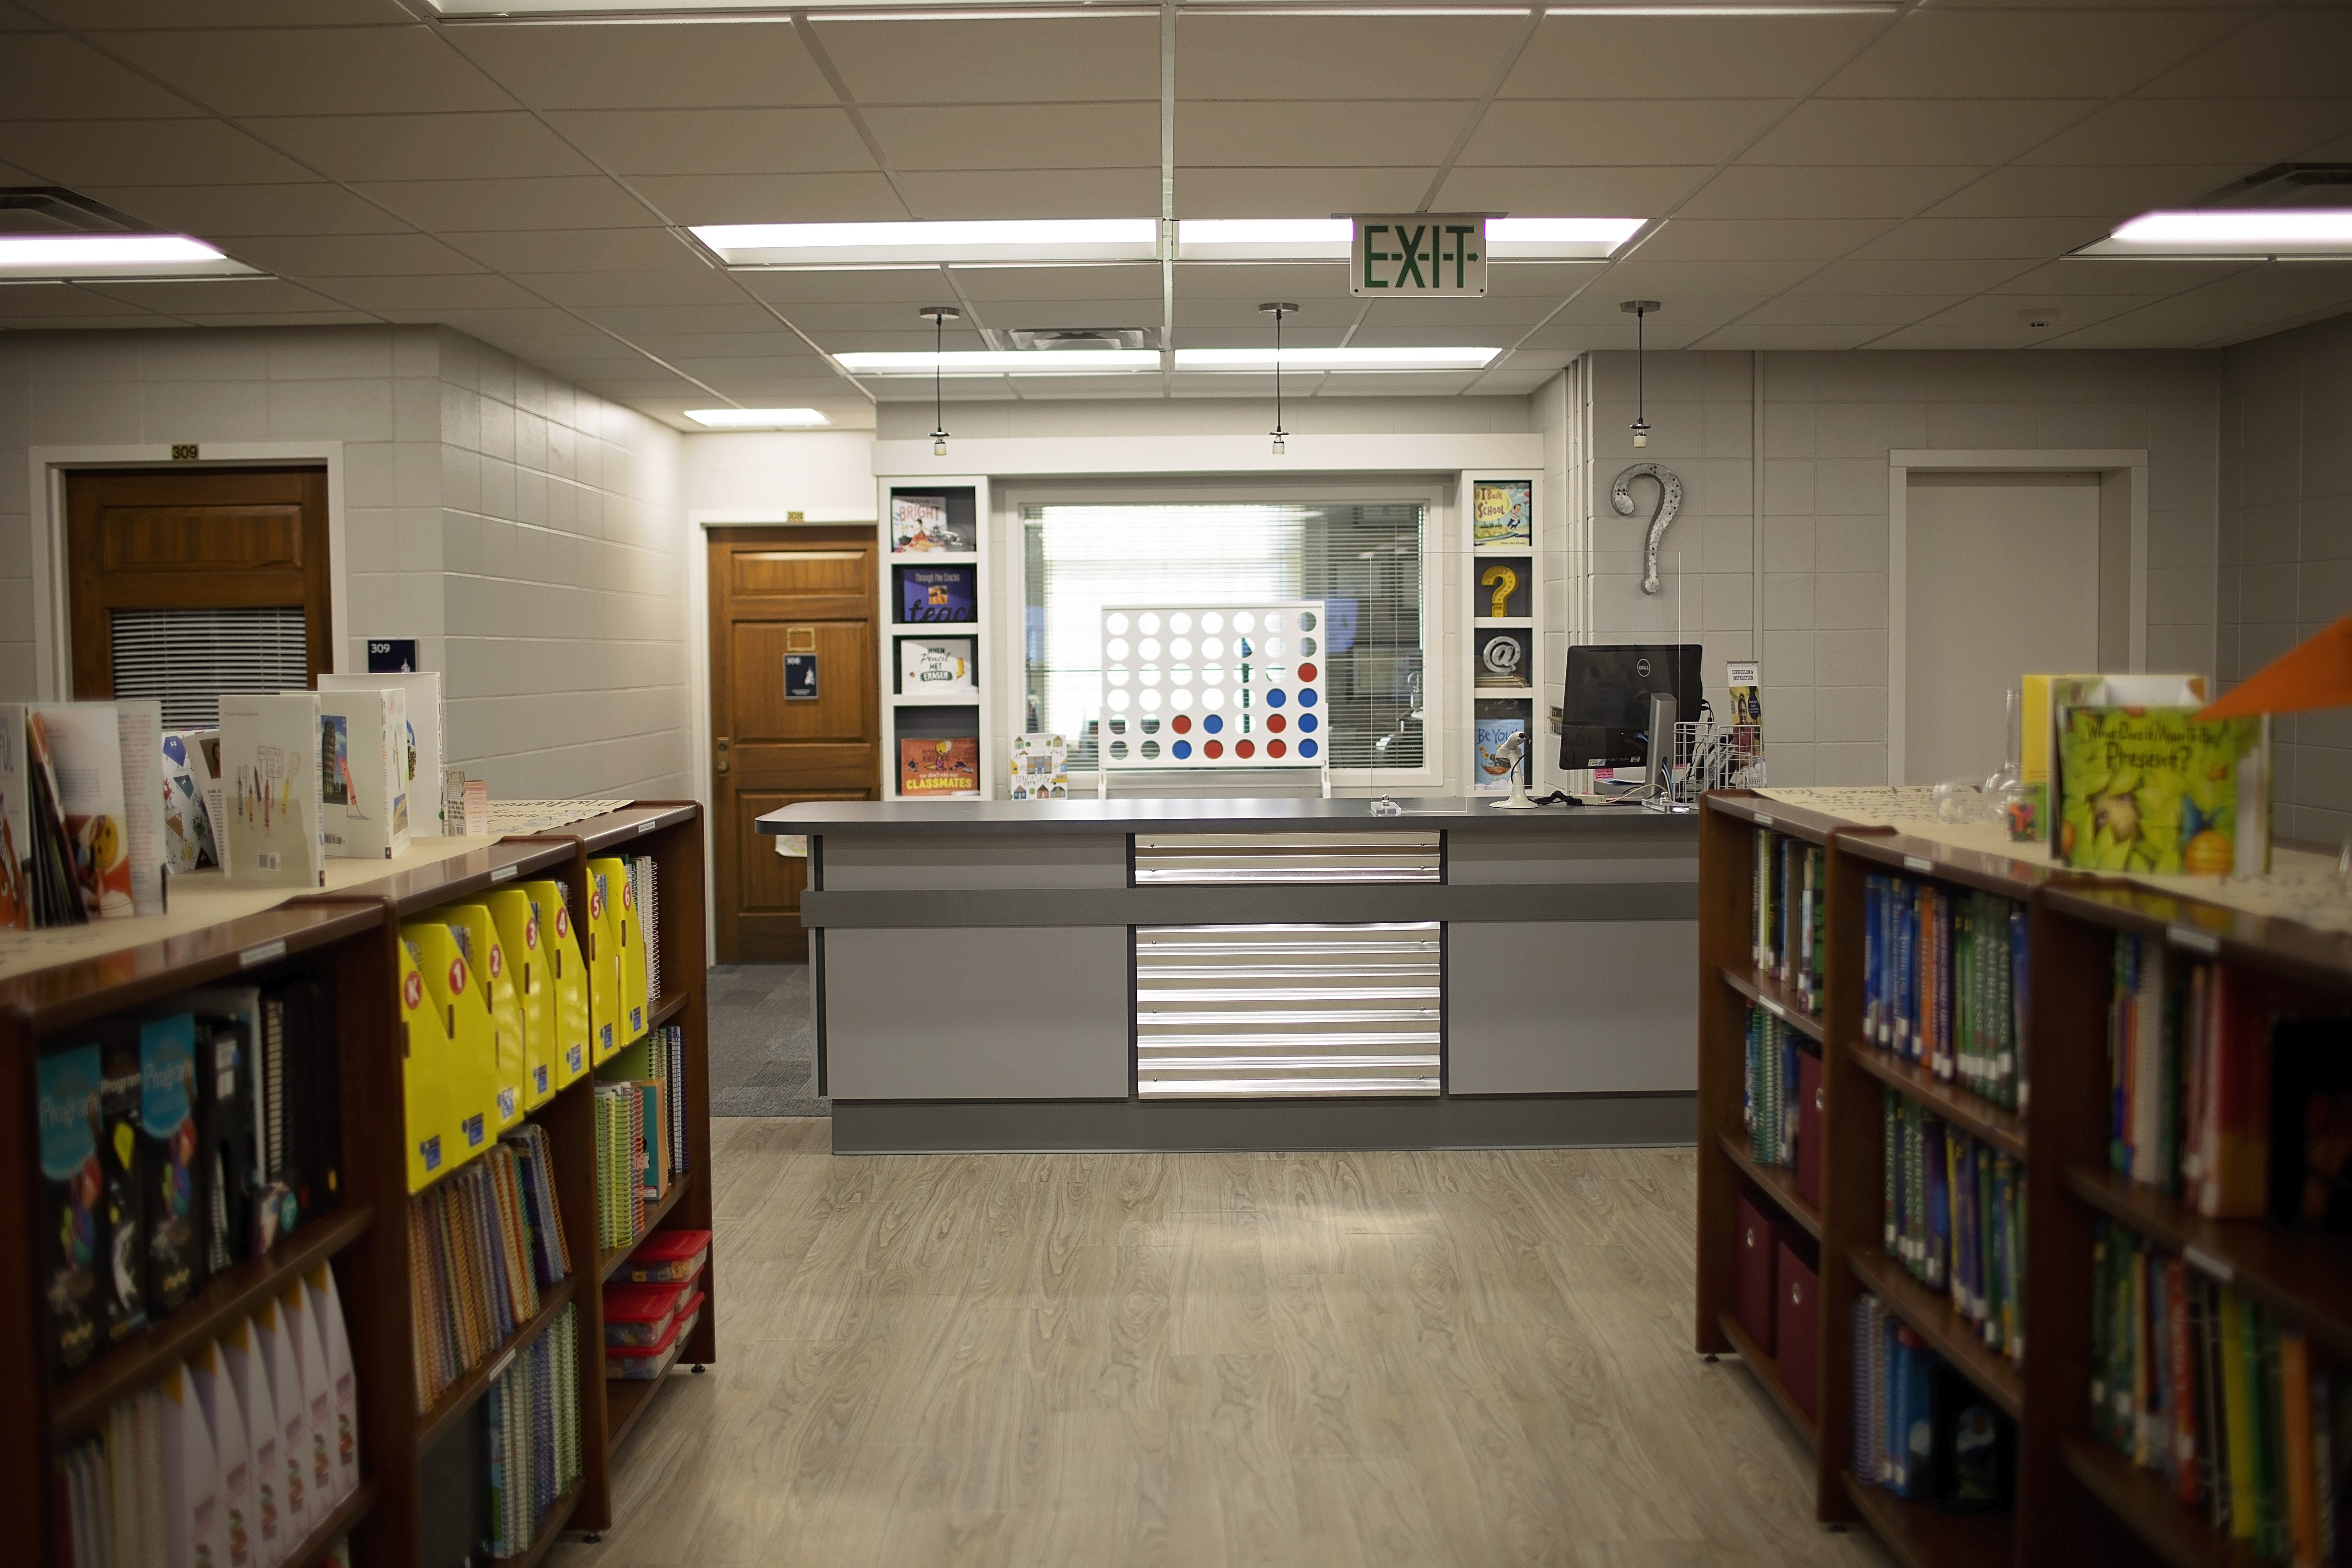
(187, 582)
(794, 713)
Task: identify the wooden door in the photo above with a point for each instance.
(238, 541)
(775, 591)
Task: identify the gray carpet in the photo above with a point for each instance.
(763, 1042)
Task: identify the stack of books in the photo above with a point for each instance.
(1791, 904)
(2235, 1409)
(1945, 984)
(550, 1254)
(1955, 1216)
(1920, 1429)
(532, 1417)
(471, 1269)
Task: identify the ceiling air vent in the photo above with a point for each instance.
(52, 210)
(1081, 339)
(2288, 185)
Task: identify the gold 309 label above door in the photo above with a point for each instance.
(1418, 255)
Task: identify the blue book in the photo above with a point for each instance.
(933, 594)
(1940, 1207)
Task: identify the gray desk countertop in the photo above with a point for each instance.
(1454, 815)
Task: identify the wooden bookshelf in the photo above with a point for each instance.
(1921, 1535)
(1932, 1317)
(1980, 1118)
(1779, 1185)
(609, 1261)
(2180, 1534)
(1779, 1000)
(551, 1529)
(349, 937)
(1768, 1372)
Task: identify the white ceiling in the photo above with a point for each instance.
(1884, 177)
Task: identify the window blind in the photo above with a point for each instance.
(188, 658)
(1362, 560)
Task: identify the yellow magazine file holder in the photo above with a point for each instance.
(451, 1091)
(568, 973)
(603, 963)
(534, 991)
(478, 932)
(621, 906)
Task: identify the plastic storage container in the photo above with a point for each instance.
(667, 1258)
(639, 1315)
(638, 1363)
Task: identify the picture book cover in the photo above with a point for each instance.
(169, 1141)
(935, 594)
(425, 725)
(939, 764)
(1041, 768)
(1502, 511)
(15, 822)
(933, 667)
(922, 524)
(1493, 773)
(122, 1196)
(2153, 790)
(72, 1184)
(363, 750)
(270, 768)
(138, 731)
(187, 830)
(82, 745)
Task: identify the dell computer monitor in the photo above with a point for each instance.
(1604, 720)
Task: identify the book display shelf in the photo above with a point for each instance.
(936, 585)
(418, 1478)
(2015, 1084)
(1503, 582)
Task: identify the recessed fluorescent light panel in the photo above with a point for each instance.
(1025, 242)
(72, 257)
(1056, 362)
(758, 418)
(1334, 359)
(1558, 239)
(2243, 234)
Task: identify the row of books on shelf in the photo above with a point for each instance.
(2229, 1088)
(2236, 1409)
(1782, 1107)
(652, 1305)
(175, 1142)
(1920, 1429)
(1791, 905)
(500, 1009)
(531, 1433)
(1945, 984)
(1955, 1217)
(481, 1245)
(234, 1457)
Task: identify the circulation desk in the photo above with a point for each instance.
(1249, 974)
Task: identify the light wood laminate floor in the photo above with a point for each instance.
(1122, 1360)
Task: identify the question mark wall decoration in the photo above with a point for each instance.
(1670, 502)
(1504, 582)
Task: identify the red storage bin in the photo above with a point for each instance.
(1757, 1239)
(1809, 1128)
(1799, 1320)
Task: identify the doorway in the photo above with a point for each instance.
(185, 582)
(791, 605)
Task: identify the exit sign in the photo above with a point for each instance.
(1418, 255)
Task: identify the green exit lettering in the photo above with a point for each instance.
(1419, 256)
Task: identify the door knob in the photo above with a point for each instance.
(722, 765)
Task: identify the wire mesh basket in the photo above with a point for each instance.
(1709, 755)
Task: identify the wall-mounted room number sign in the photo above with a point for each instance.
(1418, 254)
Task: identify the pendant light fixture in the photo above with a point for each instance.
(1638, 309)
(1279, 311)
(939, 316)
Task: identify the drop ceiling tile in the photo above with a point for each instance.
(493, 325)
(1291, 193)
(578, 346)
(51, 76)
(1818, 337)
(1924, 276)
(40, 302)
(575, 249)
(87, 322)
(345, 255)
(1125, 281)
(755, 371)
(2067, 310)
(772, 198)
(716, 140)
(1380, 332)
(1684, 57)
(2114, 193)
(455, 205)
(655, 385)
(85, 152)
(2293, 51)
(1236, 324)
(629, 321)
(1019, 136)
(1848, 309)
(1536, 131)
(280, 319)
(1825, 191)
(110, 14)
(1541, 279)
(1950, 238)
(1948, 335)
(2204, 305)
(2140, 335)
(2330, 278)
(817, 320)
(243, 296)
(1001, 60)
(1641, 279)
(1295, 135)
(2255, 132)
(1641, 191)
(688, 282)
(284, 210)
(1397, 59)
(422, 146)
(2050, 52)
(1913, 132)
(912, 288)
(315, 70)
(1032, 193)
(1715, 239)
(2092, 275)
(460, 292)
(1595, 321)
(647, 65)
(1312, 283)
(15, 19)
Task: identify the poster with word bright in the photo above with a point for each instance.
(1215, 686)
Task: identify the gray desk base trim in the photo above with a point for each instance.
(1553, 1121)
(1300, 905)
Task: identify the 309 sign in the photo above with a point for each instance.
(1418, 255)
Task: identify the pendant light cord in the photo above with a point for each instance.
(1277, 375)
